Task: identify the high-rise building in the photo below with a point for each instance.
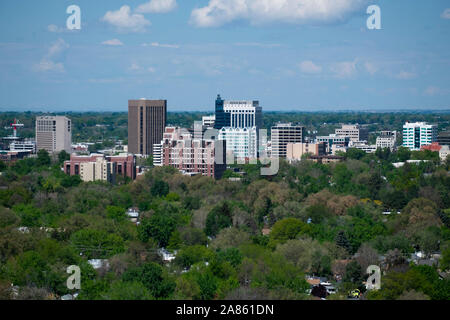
(222, 118)
(355, 132)
(242, 143)
(191, 155)
(444, 138)
(418, 134)
(284, 133)
(238, 114)
(387, 139)
(146, 124)
(53, 133)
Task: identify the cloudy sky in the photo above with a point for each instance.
(289, 54)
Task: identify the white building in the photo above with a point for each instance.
(418, 134)
(100, 170)
(241, 142)
(387, 139)
(209, 121)
(354, 131)
(362, 145)
(444, 153)
(54, 133)
(244, 114)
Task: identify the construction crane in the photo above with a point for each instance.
(14, 126)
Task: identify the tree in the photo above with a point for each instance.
(287, 229)
(353, 153)
(353, 273)
(43, 158)
(121, 290)
(159, 227)
(63, 156)
(219, 218)
(152, 276)
(342, 241)
(159, 189)
(230, 238)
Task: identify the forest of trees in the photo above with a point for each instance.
(319, 215)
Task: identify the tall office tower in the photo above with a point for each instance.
(146, 124)
(238, 114)
(222, 118)
(354, 131)
(282, 134)
(53, 133)
(241, 142)
(418, 134)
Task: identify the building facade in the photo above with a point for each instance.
(296, 151)
(191, 156)
(237, 114)
(418, 134)
(241, 143)
(354, 131)
(146, 124)
(92, 167)
(209, 121)
(334, 141)
(53, 133)
(387, 140)
(283, 134)
(444, 138)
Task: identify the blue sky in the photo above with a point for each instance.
(289, 54)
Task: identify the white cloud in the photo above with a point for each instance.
(446, 14)
(157, 6)
(54, 28)
(151, 70)
(124, 20)
(370, 68)
(112, 42)
(47, 63)
(345, 69)
(310, 67)
(161, 45)
(220, 12)
(433, 91)
(404, 75)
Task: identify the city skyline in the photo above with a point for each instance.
(187, 52)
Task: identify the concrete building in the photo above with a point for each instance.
(326, 159)
(387, 139)
(284, 133)
(296, 151)
(192, 156)
(418, 134)
(146, 124)
(362, 145)
(209, 121)
(334, 140)
(53, 133)
(444, 138)
(354, 131)
(92, 167)
(241, 143)
(444, 153)
(98, 170)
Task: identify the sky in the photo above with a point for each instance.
(291, 55)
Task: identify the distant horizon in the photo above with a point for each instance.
(211, 111)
